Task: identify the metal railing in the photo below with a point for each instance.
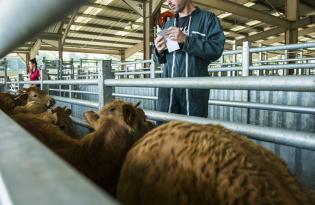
(32, 174)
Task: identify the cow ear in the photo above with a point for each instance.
(129, 114)
(138, 103)
(21, 99)
(68, 111)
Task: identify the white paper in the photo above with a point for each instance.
(170, 44)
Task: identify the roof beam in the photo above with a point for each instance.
(134, 6)
(84, 50)
(113, 19)
(156, 4)
(280, 39)
(106, 35)
(110, 8)
(66, 31)
(99, 41)
(34, 50)
(92, 25)
(276, 31)
(80, 45)
(244, 11)
(261, 35)
(130, 51)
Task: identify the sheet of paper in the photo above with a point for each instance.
(170, 44)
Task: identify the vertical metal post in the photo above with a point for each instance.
(234, 58)
(246, 58)
(5, 67)
(246, 62)
(41, 79)
(152, 69)
(104, 92)
(20, 78)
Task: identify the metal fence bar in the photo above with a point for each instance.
(271, 83)
(282, 66)
(283, 47)
(77, 101)
(293, 138)
(44, 13)
(135, 96)
(261, 106)
(42, 178)
(74, 91)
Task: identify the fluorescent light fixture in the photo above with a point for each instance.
(237, 28)
(251, 23)
(104, 2)
(249, 4)
(226, 14)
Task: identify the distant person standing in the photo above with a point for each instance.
(33, 70)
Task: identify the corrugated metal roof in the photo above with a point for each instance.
(113, 23)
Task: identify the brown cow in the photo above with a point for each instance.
(27, 100)
(185, 163)
(100, 154)
(58, 116)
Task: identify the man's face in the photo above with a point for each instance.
(177, 5)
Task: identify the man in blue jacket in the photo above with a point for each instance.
(201, 41)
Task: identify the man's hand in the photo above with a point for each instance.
(160, 44)
(175, 34)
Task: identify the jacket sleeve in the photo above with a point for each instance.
(210, 46)
(160, 58)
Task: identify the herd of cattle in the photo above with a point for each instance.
(175, 163)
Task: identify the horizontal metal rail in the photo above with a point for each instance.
(283, 60)
(76, 101)
(224, 69)
(251, 105)
(271, 83)
(32, 174)
(74, 91)
(293, 138)
(133, 62)
(261, 106)
(282, 66)
(135, 96)
(283, 47)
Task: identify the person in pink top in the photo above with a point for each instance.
(34, 72)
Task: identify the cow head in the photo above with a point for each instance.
(127, 113)
(35, 94)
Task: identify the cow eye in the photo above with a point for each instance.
(35, 95)
(112, 109)
(62, 127)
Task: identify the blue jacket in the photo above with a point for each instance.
(204, 44)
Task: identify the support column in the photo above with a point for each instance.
(27, 59)
(147, 27)
(60, 49)
(291, 35)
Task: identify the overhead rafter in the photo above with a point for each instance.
(99, 41)
(107, 18)
(66, 31)
(134, 6)
(244, 11)
(280, 39)
(98, 26)
(105, 35)
(130, 51)
(34, 50)
(112, 8)
(83, 50)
